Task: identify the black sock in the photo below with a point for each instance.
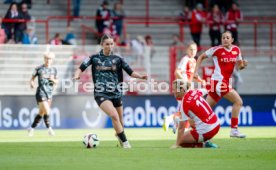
(46, 120)
(36, 121)
(122, 136)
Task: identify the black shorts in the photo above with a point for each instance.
(117, 102)
(42, 97)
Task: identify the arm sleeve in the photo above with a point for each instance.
(184, 117)
(126, 67)
(35, 72)
(239, 57)
(55, 73)
(209, 53)
(86, 63)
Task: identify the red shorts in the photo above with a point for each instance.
(206, 136)
(217, 89)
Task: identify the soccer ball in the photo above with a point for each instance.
(91, 140)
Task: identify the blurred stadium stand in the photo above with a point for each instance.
(258, 78)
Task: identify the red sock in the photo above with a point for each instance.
(234, 122)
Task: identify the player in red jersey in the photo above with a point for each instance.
(185, 71)
(225, 58)
(205, 124)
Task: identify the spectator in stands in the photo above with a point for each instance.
(28, 2)
(2, 33)
(22, 27)
(185, 15)
(8, 1)
(57, 40)
(149, 43)
(176, 41)
(70, 37)
(103, 17)
(110, 28)
(232, 19)
(138, 44)
(196, 24)
(215, 19)
(224, 5)
(76, 7)
(29, 37)
(118, 15)
(12, 27)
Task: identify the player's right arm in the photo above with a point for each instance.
(35, 73)
(198, 64)
(32, 83)
(207, 54)
(180, 132)
(86, 63)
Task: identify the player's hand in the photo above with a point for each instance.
(32, 84)
(144, 77)
(175, 146)
(245, 63)
(76, 78)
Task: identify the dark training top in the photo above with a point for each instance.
(107, 73)
(45, 86)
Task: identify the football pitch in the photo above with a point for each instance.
(151, 150)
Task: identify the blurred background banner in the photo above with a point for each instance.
(72, 111)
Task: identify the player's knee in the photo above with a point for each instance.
(239, 103)
(114, 117)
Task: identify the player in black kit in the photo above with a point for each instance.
(107, 73)
(47, 79)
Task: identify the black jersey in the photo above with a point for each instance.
(45, 86)
(107, 73)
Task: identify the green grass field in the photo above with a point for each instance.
(151, 150)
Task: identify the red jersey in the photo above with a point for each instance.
(231, 19)
(215, 20)
(197, 20)
(224, 61)
(187, 67)
(195, 107)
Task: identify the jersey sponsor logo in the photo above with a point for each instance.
(106, 68)
(228, 60)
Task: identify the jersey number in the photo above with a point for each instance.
(200, 103)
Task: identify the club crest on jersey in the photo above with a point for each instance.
(234, 52)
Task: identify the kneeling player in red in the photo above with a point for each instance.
(204, 122)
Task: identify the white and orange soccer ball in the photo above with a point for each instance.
(91, 140)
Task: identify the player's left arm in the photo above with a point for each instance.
(132, 73)
(54, 78)
(138, 75)
(180, 132)
(241, 64)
